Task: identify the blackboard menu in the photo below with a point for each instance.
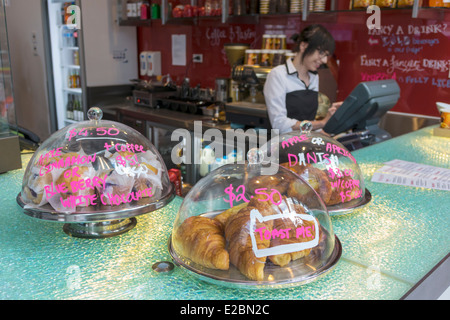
(415, 52)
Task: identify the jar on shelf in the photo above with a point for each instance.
(282, 6)
(264, 6)
(295, 6)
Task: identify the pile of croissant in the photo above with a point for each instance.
(217, 242)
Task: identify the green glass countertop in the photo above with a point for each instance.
(388, 245)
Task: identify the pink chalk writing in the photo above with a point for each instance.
(338, 173)
(377, 76)
(350, 194)
(101, 131)
(109, 199)
(131, 158)
(260, 191)
(343, 183)
(74, 186)
(293, 140)
(52, 153)
(330, 147)
(66, 162)
(125, 147)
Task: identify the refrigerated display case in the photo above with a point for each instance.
(81, 60)
(9, 142)
(67, 61)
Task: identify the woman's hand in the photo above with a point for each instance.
(319, 124)
(332, 110)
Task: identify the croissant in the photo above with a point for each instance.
(201, 240)
(237, 233)
(284, 259)
(223, 217)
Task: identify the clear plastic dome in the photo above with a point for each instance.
(94, 170)
(326, 164)
(246, 225)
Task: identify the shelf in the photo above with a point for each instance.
(70, 48)
(135, 22)
(70, 66)
(73, 90)
(67, 26)
(438, 13)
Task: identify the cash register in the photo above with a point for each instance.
(356, 122)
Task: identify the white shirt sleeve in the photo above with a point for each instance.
(275, 97)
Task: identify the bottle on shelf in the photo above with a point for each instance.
(76, 115)
(145, 10)
(70, 80)
(80, 107)
(77, 109)
(75, 38)
(69, 108)
(74, 81)
(68, 39)
(77, 79)
(76, 57)
(64, 13)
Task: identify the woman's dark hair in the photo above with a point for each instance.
(317, 37)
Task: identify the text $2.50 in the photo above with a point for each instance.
(241, 195)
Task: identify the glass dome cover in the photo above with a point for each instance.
(243, 226)
(325, 164)
(94, 170)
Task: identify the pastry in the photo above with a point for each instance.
(223, 217)
(34, 191)
(42, 175)
(343, 189)
(240, 248)
(201, 240)
(292, 237)
(315, 177)
(115, 184)
(71, 184)
(149, 171)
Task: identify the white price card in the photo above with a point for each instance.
(179, 49)
(412, 174)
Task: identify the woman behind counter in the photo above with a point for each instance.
(291, 90)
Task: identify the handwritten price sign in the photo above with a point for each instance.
(239, 195)
(101, 131)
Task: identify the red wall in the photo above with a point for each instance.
(416, 52)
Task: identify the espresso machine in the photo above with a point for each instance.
(246, 106)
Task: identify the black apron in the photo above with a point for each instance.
(302, 104)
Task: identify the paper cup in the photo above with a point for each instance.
(444, 110)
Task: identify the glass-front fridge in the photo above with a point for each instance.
(67, 60)
(9, 141)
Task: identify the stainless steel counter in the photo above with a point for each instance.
(164, 117)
